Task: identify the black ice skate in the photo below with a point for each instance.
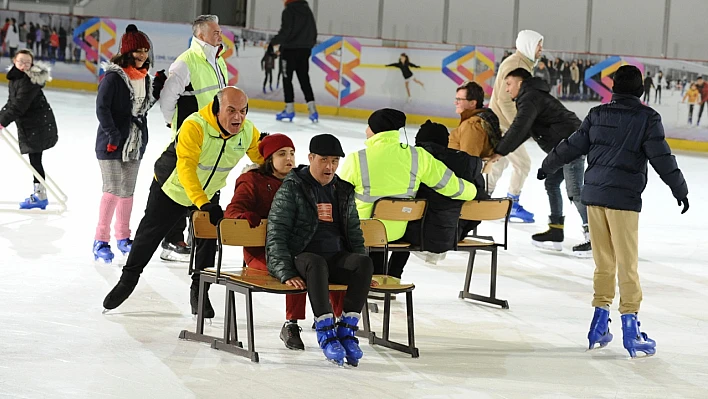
(194, 301)
(178, 252)
(551, 238)
(119, 293)
(584, 250)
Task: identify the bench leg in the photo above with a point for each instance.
(468, 276)
(250, 352)
(385, 341)
(492, 298)
(230, 330)
(365, 332)
(198, 335)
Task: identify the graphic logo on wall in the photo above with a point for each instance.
(461, 66)
(87, 37)
(228, 39)
(598, 77)
(324, 55)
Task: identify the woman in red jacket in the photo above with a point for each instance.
(252, 198)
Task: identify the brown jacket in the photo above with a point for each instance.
(501, 102)
(471, 135)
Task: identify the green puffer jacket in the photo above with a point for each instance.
(293, 220)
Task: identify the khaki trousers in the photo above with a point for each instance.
(521, 162)
(615, 247)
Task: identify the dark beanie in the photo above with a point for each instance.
(386, 119)
(326, 145)
(431, 132)
(628, 80)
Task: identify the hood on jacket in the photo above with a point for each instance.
(534, 84)
(299, 7)
(110, 67)
(526, 43)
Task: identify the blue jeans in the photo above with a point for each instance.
(573, 174)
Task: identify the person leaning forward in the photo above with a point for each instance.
(188, 176)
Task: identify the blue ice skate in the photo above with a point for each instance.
(518, 213)
(125, 245)
(600, 329)
(346, 328)
(315, 117)
(327, 338)
(635, 340)
(102, 251)
(33, 202)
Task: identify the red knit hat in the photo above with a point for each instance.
(273, 143)
(133, 40)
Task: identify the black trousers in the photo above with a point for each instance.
(161, 214)
(36, 162)
(176, 233)
(296, 61)
(268, 76)
(352, 269)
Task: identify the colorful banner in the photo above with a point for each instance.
(467, 61)
(329, 56)
(598, 77)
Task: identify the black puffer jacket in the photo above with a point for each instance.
(539, 115)
(29, 109)
(443, 213)
(619, 138)
(292, 222)
(298, 28)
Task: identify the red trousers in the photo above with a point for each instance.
(294, 303)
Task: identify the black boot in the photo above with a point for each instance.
(194, 300)
(551, 238)
(120, 292)
(290, 335)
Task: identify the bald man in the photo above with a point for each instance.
(188, 176)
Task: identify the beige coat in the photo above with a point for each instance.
(501, 102)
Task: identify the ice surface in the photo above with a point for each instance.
(55, 343)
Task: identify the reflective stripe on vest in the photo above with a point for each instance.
(366, 180)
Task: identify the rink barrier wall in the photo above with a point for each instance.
(64, 84)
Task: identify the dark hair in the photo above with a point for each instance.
(267, 167)
(408, 61)
(24, 51)
(519, 73)
(474, 92)
(127, 59)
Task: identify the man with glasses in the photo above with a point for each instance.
(478, 131)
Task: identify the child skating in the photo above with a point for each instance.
(405, 65)
(267, 65)
(692, 95)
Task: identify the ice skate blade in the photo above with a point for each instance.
(102, 260)
(170, 256)
(352, 362)
(638, 355)
(194, 317)
(339, 363)
(583, 255)
(553, 246)
(514, 219)
(104, 311)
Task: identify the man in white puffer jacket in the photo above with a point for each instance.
(529, 45)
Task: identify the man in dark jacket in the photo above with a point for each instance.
(314, 238)
(543, 117)
(619, 138)
(296, 37)
(443, 213)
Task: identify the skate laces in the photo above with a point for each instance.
(294, 330)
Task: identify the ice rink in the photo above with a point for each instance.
(55, 343)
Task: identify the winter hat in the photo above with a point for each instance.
(272, 143)
(628, 80)
(526, 43)
(326, 145)
(386, 119)
(133, 40)
(431, 132)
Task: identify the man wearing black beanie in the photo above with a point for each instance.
(619, 138)
(388, 168)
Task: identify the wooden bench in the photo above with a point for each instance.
(245, 281)
(491, 209)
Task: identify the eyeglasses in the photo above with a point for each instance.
(459, 100)
(23, 62)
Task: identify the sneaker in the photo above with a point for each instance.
(290, 335)
(178, 252)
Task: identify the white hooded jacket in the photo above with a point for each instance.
(524, 57)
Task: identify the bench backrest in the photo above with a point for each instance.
(491, 209)
(237, 232)
(374, 233)
(399, 209)
(202, 227)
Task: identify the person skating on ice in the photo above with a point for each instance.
(267, 66)
(619, 138)
(28, 108)
(545, 119)
(405, 65)
(122, 103)
(188, 176)
(296, 37)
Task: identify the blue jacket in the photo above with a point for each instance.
(114, 106)
(619, 138)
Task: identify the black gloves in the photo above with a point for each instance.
(215, 212)
(263, 135)
(541, 175)
(683, 202)
(158, 83)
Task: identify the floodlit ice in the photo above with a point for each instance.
(55, 343)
